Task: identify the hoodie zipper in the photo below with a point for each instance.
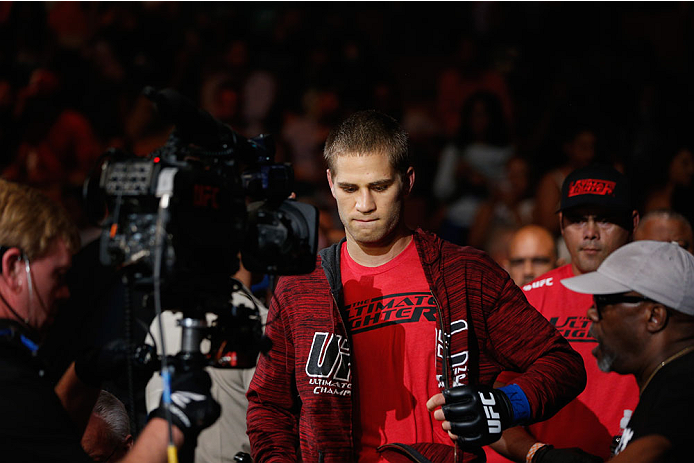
(349, 340)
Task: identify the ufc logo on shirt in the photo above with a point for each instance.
(328, 365)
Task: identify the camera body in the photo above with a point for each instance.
(226, 196)
(180, 217)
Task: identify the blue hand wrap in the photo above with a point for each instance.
(519, 403)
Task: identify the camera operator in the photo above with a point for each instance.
(38, 422)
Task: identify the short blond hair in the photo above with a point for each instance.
(368, 132)
(31, 222)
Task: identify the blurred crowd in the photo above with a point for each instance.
(501, 101)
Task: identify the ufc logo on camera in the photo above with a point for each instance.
(493, 418)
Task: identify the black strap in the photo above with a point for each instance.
(406, 450)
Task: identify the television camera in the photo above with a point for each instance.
(180, 217)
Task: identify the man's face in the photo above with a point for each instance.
(48, 279)
(682, 168)
(591, 234)
(531, 253)
(370, 196)
(581, 150)
(665, 229)
(617, 325)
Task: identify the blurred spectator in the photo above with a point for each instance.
(578, 147)
(674, 189)
(469, 75)
(103, 93)
(305, 133)
(387, 96)
(353, 74)
(509, 203)
(470, 166)
(531, 253)
(7, 135)
(666, 225)
(496, 244)
(220, 97)
(27, 41)
(144, 129)
(58, 145)
(258, 103)
(107, 437)
(69, 23)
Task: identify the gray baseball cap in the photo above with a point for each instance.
(661, 271)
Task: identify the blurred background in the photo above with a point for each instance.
(501, 100)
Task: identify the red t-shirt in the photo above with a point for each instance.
(391, 318)
(592, 419)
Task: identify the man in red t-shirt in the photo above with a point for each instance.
(595, 217)
(390, 347)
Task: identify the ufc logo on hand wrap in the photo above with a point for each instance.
(493, 421)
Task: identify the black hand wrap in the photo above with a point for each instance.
(549, 454)
(192, 407)
(478, 414)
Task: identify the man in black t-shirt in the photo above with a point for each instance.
(39, 422)
(643, 320)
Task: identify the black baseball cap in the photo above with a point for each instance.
(596, 185)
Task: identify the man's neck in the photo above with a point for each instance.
(576, 272)
(660, 358)
(378, 254)
(8, 313)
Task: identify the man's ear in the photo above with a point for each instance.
(635, 218)
(12, 268)
(561, 222)
(330, 181)
(409, 180)
(657, 318)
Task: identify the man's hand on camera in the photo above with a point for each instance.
(474, 415)
(192, 407)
